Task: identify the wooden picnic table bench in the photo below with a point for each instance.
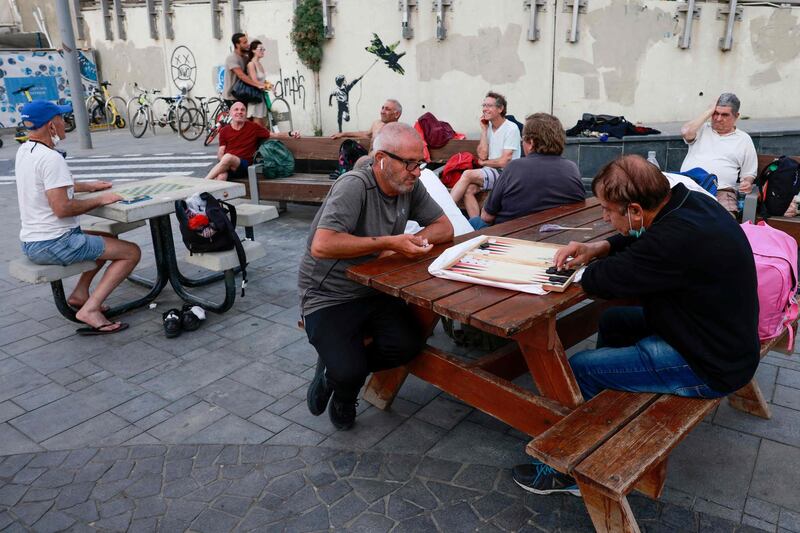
(621, 441)
(315, 158)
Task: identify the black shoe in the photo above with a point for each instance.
(342, 413)
(172, 323)
(542, 479)
(319, 392)
(189, 320)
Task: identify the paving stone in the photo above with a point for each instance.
(681, 518)
(114, 523)
(258, 518)
(287, 485)
(236, 471)
(512, 518)
(177, 469)
(334, 492)
(250, 485)
(443, 413)
(144, 464)
(213, 521)
(299, 435)
(346, 510)
(9, 410)
(491, 504)
(269, 421)
(86, 511)
(235, 397)
(77, 458)
(789, 520)
(89, 432)
(371, 490)
(180, 487)
(230, 429)
(266, 379)
(119, 470)
(28, 474)
(72, 410)
(776, 473)
(182, 404)
(412, 436)
(53, 521)
(40, 495)
(321, 474)
(467, 441)
(187, 423)
(130, 435)
(195, 375)
(19, 382)
(74, 494)
(369, 465)
(439, 469)
(400, 509)
(144, 525)
(448, 494)
(30, 513)
(92, 472)
(314, 520)
(10, 494)
(784, 426)
(457, 517)
(140, 407)
(149, 485)
(372, 425)
(418, 524)
(153, 419)
(344, 464)
(757, 523)
(20, 330)
(787, 397)
(24, 345)
(207, 454)
(762, 510)
(48, 459)
(415, 492)
(283, 404)
(477, 477)
(232, 505)
(303, 500)
(210, 492)
(116, 507)
(205, 475)
(62, 354)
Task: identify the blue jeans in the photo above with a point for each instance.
(72, 247)
(478, 223)
(629, 357)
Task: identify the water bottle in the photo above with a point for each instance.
(651, 157)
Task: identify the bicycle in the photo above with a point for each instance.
(196, 121)
(104, 109)
(142, 118)
(21, 133)
(168, 109)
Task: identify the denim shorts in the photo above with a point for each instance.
(72, 247)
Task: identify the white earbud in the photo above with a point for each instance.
(381, 164)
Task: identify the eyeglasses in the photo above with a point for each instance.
(261, 49)
(411, 164)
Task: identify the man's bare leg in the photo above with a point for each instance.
(228, 163)
(124, 257)
(471, 205)
(469, 177)
(80, 293)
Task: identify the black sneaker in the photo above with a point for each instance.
(189, 320)
(172, 323)
(319, 392)
(342, 413)
(542, 479)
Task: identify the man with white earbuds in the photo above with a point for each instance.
(50, 231)
(694, 332)
(363, 217)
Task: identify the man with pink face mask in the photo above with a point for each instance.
(690, 266)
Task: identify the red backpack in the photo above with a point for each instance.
(456, 166)
(775, 253)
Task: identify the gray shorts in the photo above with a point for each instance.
(72, 247)
(490, 175)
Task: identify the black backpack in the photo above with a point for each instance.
(778, 183)
(222, 217)
(350, 151)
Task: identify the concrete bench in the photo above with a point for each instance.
(104, 225)
(223, 261)
(249, 215)
(620, 441)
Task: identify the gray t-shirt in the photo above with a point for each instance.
(356, 205)
(532, 184)
(231, 62)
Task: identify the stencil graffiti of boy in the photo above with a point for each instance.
(342, 95)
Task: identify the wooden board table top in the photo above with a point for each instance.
(531, 320)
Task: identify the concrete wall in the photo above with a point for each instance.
(626, 60)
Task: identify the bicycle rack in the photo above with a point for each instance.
(533, 23)
(405, 7)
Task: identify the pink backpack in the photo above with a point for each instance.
(775, 253)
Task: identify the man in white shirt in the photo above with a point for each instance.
(50, 231)
(720, 148)
(499, 145)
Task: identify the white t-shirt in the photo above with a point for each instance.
(441, 196)
(39, 169)
(505, 138)
(728, 156)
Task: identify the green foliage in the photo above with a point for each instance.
(308, 33)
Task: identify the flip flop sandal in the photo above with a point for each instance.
(189, 320)
(99, 330)
(172, 323)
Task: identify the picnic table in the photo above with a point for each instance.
(540, 335)
(163, 192)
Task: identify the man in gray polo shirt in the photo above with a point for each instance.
(362, 218)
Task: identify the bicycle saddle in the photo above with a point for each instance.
(23, 89)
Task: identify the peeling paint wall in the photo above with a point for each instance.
(626, 61)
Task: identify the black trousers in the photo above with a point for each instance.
(338, 334)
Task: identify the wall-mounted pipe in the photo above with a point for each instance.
(166, 14)
(533, 21)
(327, 25)
(692, 12)
(734, 13)
(106, 20)
(216, 12)
(439, 7)
(119, 14)
(405, 7)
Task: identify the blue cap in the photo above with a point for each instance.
(39, 112)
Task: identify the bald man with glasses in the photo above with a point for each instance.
(363, 217)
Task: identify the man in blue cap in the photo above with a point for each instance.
(50, 232)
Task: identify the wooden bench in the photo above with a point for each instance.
(315, 158)
(620, 441)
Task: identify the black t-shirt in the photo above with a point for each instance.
(534, 183)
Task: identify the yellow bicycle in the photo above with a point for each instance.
(105, 110)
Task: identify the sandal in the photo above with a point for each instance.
(101, 330)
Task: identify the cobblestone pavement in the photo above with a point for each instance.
(211, 488)
(161, 412)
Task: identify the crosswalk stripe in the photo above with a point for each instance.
(142, 165)
(146, 158)
(104, 175)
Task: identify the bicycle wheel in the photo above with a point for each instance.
(191, 124)
(115, 112)
(69, 122)
(172, 117)
(161, 109)
(139, 122)
(96, 111)
(212, 134)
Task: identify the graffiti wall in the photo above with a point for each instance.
(43, 74)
